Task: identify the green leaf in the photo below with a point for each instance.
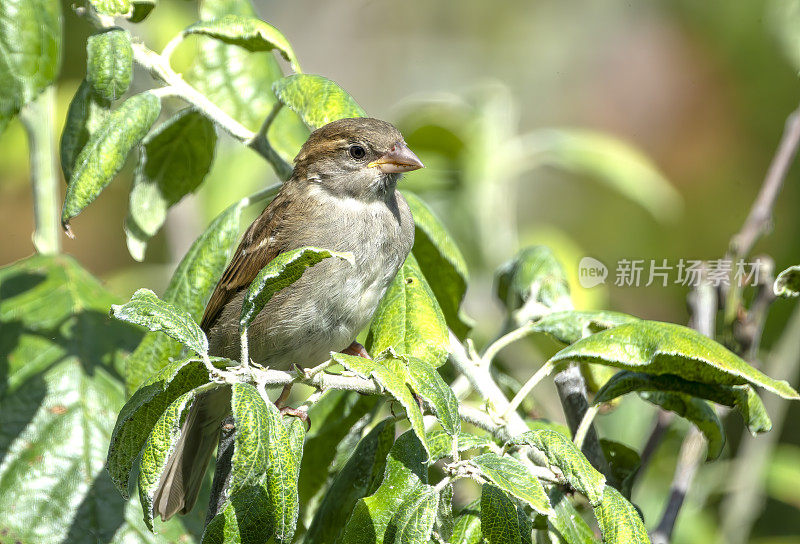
(441, 263)
(175, 159)
(248, 32)
(532, 282)
(265, 453)
(467, 529)
(189, 288)
(697, 411)
(352, 483)
(334, 417)
(409, 320)
(112, 7)
(138, 417)
(281, 272)
(619, 165)
(665, 348)
(624, 463)
(783, 17)
(106, 150)
(60, 392)
(513, 477)
(562, 453)
(30, 52)
(160, 444)
(147, 310)
(429, 385)
(109, 63)
(441, 443)
(317, 100)
(391, 373)
(567, 521)
(619, 521)
(570, 326)
(502, 521)
(787, 284)
(741, 397)
(84, 116)
(444, 523)
(246, 518)
(141, 9)
(403, 508)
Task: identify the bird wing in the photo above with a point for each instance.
(262, 242)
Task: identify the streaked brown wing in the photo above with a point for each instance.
(259, 245)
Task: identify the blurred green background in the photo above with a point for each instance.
(701, 87)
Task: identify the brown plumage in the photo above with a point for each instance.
(341, 196)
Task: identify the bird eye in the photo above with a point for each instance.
(357, 152)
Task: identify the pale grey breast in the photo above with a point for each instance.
(334, 300)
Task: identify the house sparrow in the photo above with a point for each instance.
(341, 196)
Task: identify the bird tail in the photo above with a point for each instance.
(183, 476)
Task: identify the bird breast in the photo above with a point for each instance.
(334, 300)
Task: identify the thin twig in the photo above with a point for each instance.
(741, 508)
(690, 456)
(509, 338)
(760, 216)
(703, 304)
(526, 389)
(586, 423)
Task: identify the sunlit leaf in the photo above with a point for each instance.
(567, 521)
(248, 32)
(159, 445)
(513, 477)
(175, 159)
(189, 288)
(147, 310)
(441, 263)
(31, 45)
(112, 7)
(742, 397)
(570, 326)
(403, 508)
(409, 320)
(137, 418)
(106, 150)
(467, 528)
(59, 396)
(619, 521)
(109, 63)
(390, 373)
(665, 348)
(787, 284)
(85, 115)
(502, 521)
(441, 443)
(532, 283)
(282, 271)
(317, 100)
(564, 454)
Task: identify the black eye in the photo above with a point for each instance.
(357, 152)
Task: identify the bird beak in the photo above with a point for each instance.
(397, 160)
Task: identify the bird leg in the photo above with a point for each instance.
(356, 349)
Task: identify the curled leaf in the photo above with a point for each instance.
(109, 63)
(787, 284)
(317, 100)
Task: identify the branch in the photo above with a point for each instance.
(688, 460)
(572, 392)
(159, 68)
(703, 305)
(760, 217)
(37, 117)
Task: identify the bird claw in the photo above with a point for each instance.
(298, 413)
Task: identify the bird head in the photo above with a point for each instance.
(359, 157)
